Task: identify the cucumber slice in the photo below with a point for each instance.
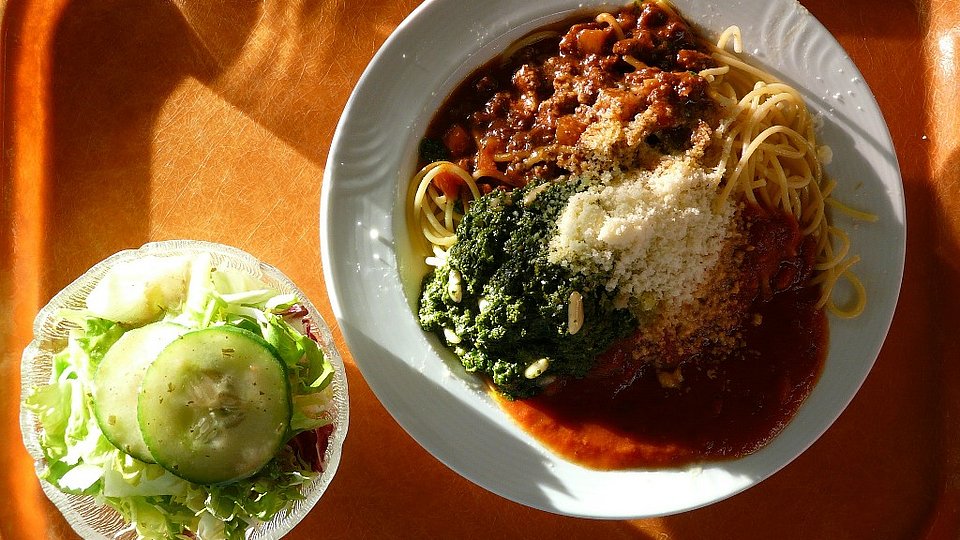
(117, 384)
(214, 406)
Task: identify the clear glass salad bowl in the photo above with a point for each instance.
(95, 521)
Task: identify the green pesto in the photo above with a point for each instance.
(501, 254)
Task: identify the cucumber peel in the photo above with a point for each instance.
(117, 384)
(215, 405)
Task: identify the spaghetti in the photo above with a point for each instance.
(435, 210)
(769, 154)
(655, 290)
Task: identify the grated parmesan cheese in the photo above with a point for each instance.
(652, 232)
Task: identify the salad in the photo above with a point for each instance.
(190, 397)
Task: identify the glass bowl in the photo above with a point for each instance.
(95, 521)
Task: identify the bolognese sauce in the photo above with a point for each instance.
(516, 118)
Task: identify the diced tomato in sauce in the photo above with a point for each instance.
(457, 140)
(449, 184)
(513, 106)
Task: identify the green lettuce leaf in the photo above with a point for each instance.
(155, 502)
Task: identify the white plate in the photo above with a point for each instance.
(364, 243)
(95, 521)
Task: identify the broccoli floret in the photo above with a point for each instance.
(513, 305)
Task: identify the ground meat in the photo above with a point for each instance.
(544, 96)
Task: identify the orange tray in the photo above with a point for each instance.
(125, 122)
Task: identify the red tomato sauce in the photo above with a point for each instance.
(727, 406)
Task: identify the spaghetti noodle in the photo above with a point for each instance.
(630, 236)
(769, 154)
